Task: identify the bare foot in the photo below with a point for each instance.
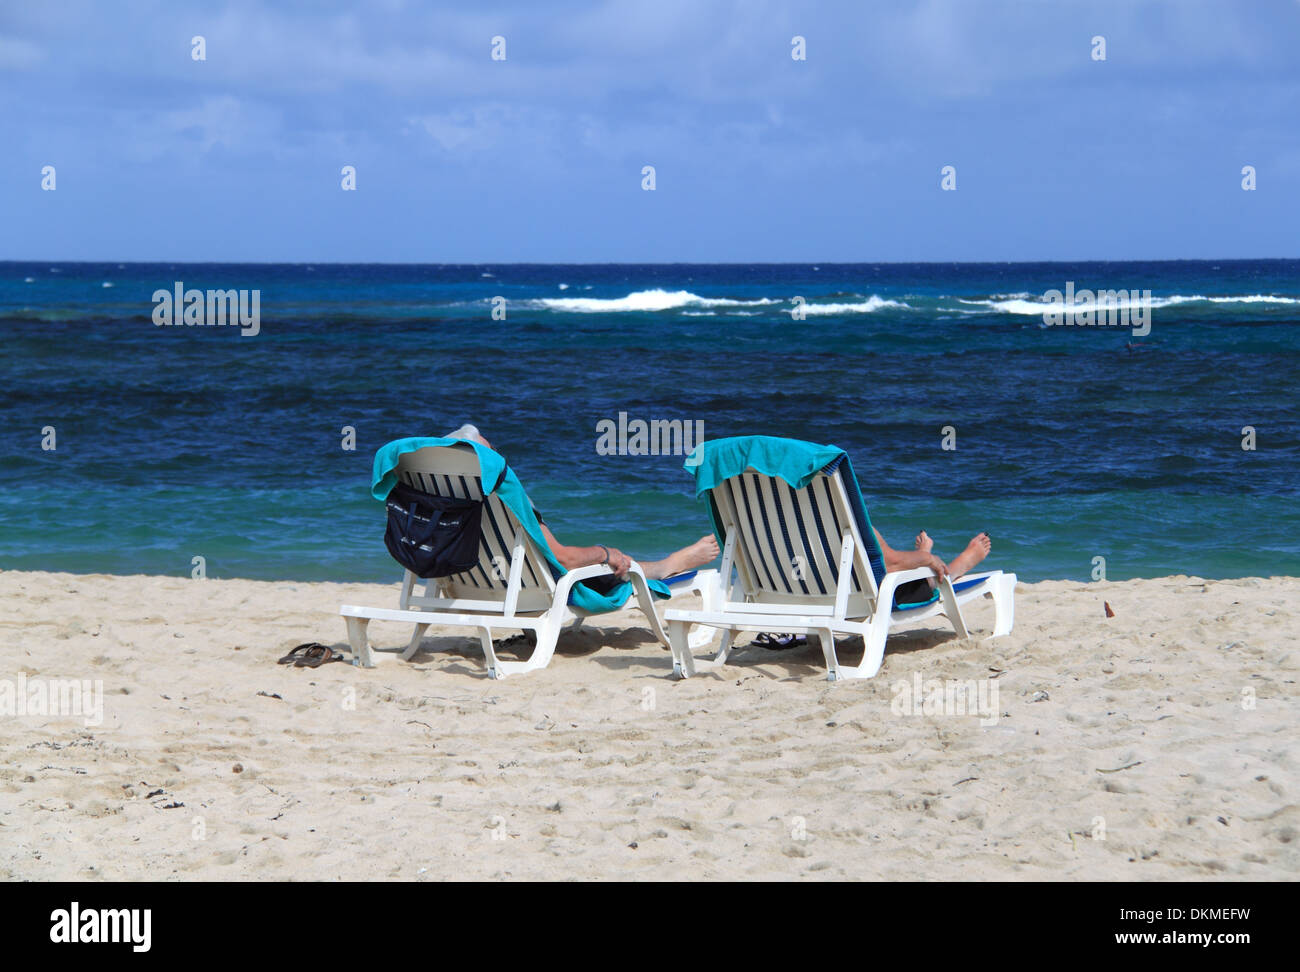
(923, 542)
(695, 556)
(700, 552)
(975, 551)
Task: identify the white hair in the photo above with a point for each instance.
(469, 432)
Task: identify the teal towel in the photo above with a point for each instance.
(511, 492)
(792, 460)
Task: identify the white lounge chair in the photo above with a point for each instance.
(513, 586)
(802, 560)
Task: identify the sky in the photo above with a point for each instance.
(758, 157)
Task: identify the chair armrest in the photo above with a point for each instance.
(565, 583)
(895, 579)
(911, 574)
(586, 573)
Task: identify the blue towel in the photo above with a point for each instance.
(511, 493)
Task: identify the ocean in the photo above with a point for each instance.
(134, 448)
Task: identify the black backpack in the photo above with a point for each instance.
(433, 536)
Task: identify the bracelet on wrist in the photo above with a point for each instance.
(606, 549)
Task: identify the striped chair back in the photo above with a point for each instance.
(788, 541)
(453, 471)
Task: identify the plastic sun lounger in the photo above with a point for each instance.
(801, 565)
(512, 587)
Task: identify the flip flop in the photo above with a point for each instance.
(293, 655)
(780, 642)
(317, 655)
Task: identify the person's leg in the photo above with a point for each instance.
(975, 551)
(696, 555)
(917, 590)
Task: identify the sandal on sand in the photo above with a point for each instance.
(317, 655)
(779, 642)
(293, 655)
(518, 642)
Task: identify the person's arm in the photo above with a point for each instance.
(571, 558)
(907, 559)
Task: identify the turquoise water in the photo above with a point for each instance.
(1071, 442)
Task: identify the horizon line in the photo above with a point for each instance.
(616, 263)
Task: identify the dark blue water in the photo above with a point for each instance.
(1071, 442)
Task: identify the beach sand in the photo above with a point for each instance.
(1157, 744)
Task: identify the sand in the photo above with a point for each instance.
(1157, 744)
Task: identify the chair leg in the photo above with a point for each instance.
(645, 600)
(728, 639)
(683, 662)
(547, 637)
(548, 634)
(874, 639)
(489, 653)
(1004, 605)
(414, 646)
(952, 609)
(827, 638)
(360, 645)
(709, 586)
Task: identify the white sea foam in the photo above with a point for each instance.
(1038, 307)
(1019, 295)
(1254, 299)
(643, 300)
(1018, 305)
(872, 303)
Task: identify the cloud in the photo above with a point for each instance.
(216, 122)
(17, 54)
(462, 132)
